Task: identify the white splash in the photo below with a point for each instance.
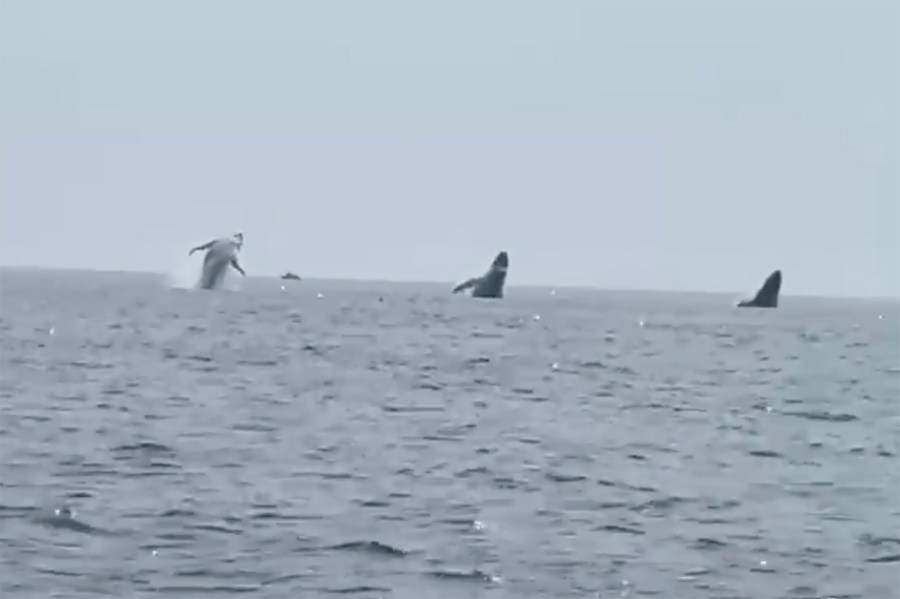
(187, 275)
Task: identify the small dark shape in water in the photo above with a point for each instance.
(884, 559)
(289, 276)
(355, 590)
(64, 519)
(821, 415)
(479, 360)
(374, 547)
(565, 478)
(623, 529)
(767, 296)
(463, 575)
(764, 453)
(704, 543)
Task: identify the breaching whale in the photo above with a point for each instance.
(220, 253)
(767, 296)
(491, 283)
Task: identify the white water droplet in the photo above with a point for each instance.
(555, 366)
(52, 330)
(319, 295)
(155, 553)
(641, 323)
(282, 287)
(537, 317)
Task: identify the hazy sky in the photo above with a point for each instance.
(650, 145)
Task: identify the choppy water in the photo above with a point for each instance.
(582, 444)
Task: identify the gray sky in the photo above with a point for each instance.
(664, 145)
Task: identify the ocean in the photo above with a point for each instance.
(324, 438)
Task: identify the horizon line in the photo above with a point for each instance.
(450, 282)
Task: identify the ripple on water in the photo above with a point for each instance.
(323, 442)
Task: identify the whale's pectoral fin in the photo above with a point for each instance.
(466, 285)
(200, 248)
(237, 267)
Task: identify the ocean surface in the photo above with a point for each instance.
(363, 440)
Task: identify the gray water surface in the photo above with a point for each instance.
(388, 440)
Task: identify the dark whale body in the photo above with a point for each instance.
(490, 284)
(767, 296)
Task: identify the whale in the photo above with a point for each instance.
(220, 254)
(490, 284)
(767, 296)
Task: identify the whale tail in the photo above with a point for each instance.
(767, 296)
